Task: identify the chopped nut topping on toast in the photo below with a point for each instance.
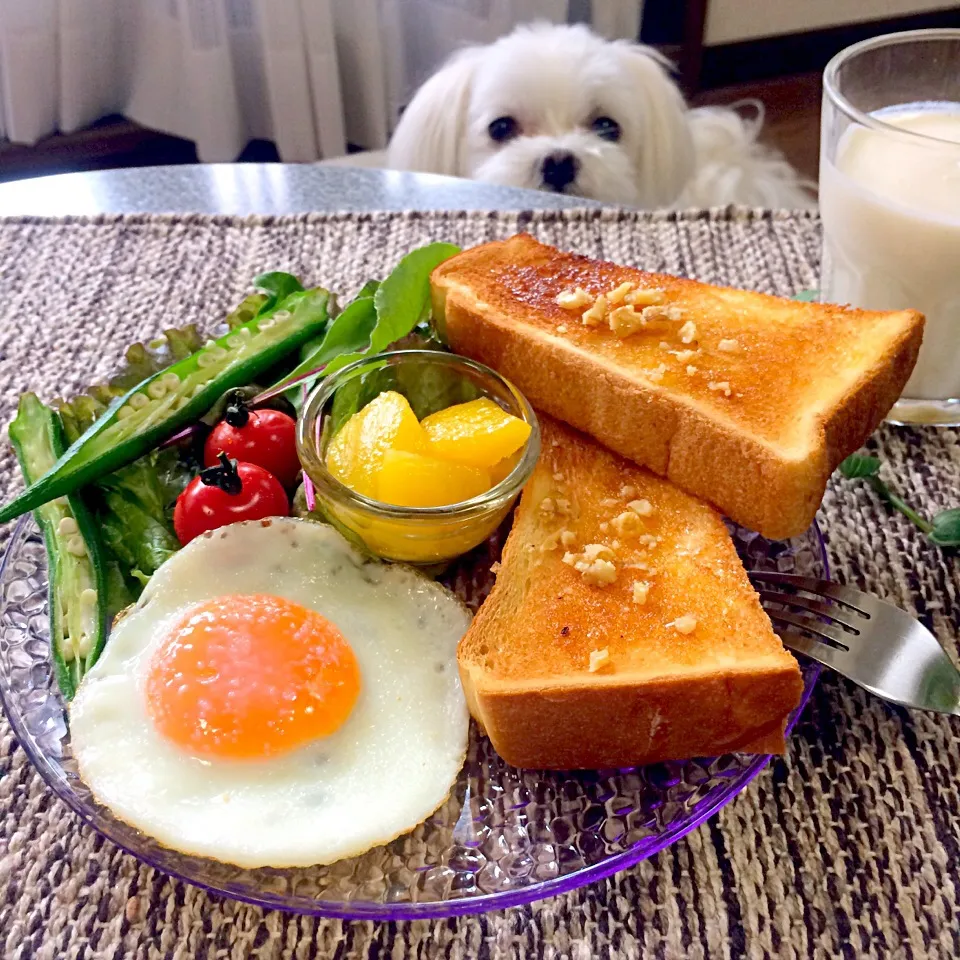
(646, 297)
(625, 321)
(574, 299)
(685, 624)
(596, 314)
(640, 591)
(594, 564)
(626, 523)
(619, 294)
(599, 660)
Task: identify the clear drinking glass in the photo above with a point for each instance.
(890, 198)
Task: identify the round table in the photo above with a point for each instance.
(264, 188)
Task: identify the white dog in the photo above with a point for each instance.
(558, 108)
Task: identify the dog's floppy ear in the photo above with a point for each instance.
(665, 160)
(429, 137)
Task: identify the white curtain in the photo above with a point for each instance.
(310, 75)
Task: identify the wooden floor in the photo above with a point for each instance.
(792, 115)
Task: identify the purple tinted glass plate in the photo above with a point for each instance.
(504, 837)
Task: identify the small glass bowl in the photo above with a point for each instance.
(431, 380)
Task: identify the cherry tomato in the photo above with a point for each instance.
(227, 493)
(264, 437)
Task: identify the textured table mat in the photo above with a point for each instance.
(849, 846)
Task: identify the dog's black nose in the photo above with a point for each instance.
(559, 170)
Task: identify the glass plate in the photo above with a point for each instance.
(504, 837)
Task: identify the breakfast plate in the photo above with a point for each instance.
(229, 575)
(503, 837)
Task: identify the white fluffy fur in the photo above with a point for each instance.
(555, 80)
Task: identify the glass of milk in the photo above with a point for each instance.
(890, 198)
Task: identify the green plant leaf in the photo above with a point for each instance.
(368, 289)
(807, 296)
(943, 530)
(278, 285)
(401, 303)
(403, 299)
(140, 540)
(859, 465)
(946, 528)
(348, 334)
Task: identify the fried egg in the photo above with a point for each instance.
(275, 699)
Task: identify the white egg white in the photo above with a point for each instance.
(385, 770)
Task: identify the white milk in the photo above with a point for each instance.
(891, 219)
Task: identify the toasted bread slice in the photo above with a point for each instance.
(565, 670)
(746, 400)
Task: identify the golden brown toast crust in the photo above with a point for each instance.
(808, 383)
(662, 694)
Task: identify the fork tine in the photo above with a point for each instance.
(829, 656)
(826, 631)
(892, 655)
(814, 606)
(848, 596)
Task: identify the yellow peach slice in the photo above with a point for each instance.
(355, 455)
(414, 480)
(476, 434)
(503, 468)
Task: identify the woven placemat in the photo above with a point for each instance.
(848, 846)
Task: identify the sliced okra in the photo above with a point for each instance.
(173, 398)
(77, 592)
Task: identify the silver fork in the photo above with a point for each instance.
(867, 640)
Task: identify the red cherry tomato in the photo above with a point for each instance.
(264, 437)
(226, 494)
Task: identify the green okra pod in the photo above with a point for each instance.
(173, 398)
(77, 593)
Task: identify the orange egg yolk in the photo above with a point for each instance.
(244, 677)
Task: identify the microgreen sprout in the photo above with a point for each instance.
(943, 529)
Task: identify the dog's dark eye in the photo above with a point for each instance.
(503, 129)
(606, 127)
